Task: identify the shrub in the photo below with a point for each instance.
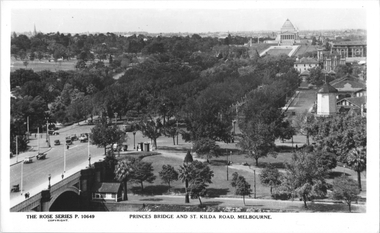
(281, 193)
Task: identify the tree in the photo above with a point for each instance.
(285, 131)
(142, 171)
(104, 135)
(188, 158)
(270, 176)
(243, 188)
(168, 174)
(326, 159)
(197, 174)
(151, 128)
(340, 134)
(304, 124)
(235, 176)
(345, 189)
(304, 177)
(258, 140)
(206, 146)
(123, 172)
(81, 64)
(357, 159)
(185, 175)
(26, 63)
(170, 129)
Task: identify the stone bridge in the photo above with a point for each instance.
(70, 194)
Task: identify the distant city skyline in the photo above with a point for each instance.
(184, 20)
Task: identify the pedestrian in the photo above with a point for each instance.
(35, 135)
(62, 176)
(296, 147)
(68, 146)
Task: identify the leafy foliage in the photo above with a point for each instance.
(142, 172)
(357, 160)
(270, 176)
(304, 177)
(198, 175)
(257, 139)
(168, 174)
(104, 135)
(345, 189)
(243, 188)
(123, 172)
(206, 146)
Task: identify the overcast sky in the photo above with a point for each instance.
(182, 19)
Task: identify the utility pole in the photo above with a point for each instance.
(177, 132)
(38, 139)
(64, 159)
(88, 151)
(27, 126)
(16, 148)
(254, 184)
(22, 179)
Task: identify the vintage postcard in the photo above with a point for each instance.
(189, 116)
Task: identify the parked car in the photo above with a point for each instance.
(57, 142)
(28, 160)
(55, 133)
(69, 142)
(74, 137)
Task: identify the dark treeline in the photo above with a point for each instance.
(194, 80)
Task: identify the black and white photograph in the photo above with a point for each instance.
(183, 116)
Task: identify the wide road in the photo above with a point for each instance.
(35, 174)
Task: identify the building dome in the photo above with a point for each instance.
(327, 88)
(288, 27)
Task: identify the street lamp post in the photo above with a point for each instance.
(16, 149)
(22, 178)
(177, 132)
(49, 181)
(88, 151)
(234, 121)
(27, 126)
(64, 159)
(134, 139)
(254, 183)
(228, 162)
(47, 131)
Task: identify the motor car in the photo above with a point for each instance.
(55, 133)
(28, 159)
(69, 142)
(74, 137)
(83, 137)
(41, 156)
(57, 142)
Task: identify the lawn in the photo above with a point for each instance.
(220, 186)
(44, 65)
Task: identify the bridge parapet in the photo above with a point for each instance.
(55, 190)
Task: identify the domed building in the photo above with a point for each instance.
(288, 34)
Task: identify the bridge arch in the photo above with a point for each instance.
(66, 200)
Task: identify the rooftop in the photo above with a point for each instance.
(106, 187)
(327, 88)
(307, 60)
(357, 101)
(288, 27)
(340, 43)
